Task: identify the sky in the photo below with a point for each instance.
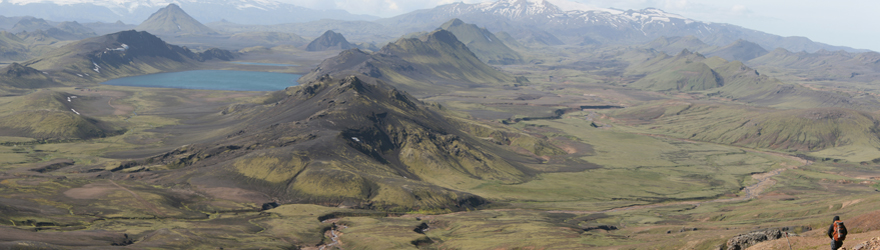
(850, 23)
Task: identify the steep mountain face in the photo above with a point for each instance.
(483, 43)
(173, 20)
(575, 24)
(435, 62)
(238, 11)
(343, 141)
(120, 54)
(329, 41)
(12, 47)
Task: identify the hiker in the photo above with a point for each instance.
(837, 233)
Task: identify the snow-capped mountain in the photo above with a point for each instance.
(136, 11)
(577, 23)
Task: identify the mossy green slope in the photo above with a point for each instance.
(347, 142)
(483, 43)
(436, 62)
(19, 78)
(734, 80)
(48, 115)
(12, 47)
(803, 130)
(683, 72)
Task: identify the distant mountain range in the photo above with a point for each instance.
(136, 11)
(579, 24)
(531, 22)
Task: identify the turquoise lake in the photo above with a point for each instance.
(212, 80)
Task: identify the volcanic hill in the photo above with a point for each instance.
(343, 141)
(329, 41)
(173, 20)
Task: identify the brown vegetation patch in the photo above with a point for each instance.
(864, 223)
(235, 194)
(91, 191)
(75, 238)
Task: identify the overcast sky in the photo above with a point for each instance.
(850, 23)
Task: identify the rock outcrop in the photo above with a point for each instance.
(868, 245)
(744, 241)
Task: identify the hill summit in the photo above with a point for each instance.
(329, 41)
(172, 19)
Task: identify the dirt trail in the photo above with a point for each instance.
(141, 200)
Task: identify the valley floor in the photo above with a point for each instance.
(621, 183)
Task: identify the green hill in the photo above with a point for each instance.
(30, 24)
(803, 130)
(683, 72)
(822, 65)
(76, 29)
(483, 43)
(12, 47)
(47, 115)
(17, 78)
(116, 55)
(173, 20)
(347, 142)
(435, 62)
(733, 80)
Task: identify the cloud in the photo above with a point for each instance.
(676, 4)
(384, 8)
(740, 9)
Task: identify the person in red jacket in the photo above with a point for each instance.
(837, 233)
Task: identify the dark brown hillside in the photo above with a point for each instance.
(344, 142)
